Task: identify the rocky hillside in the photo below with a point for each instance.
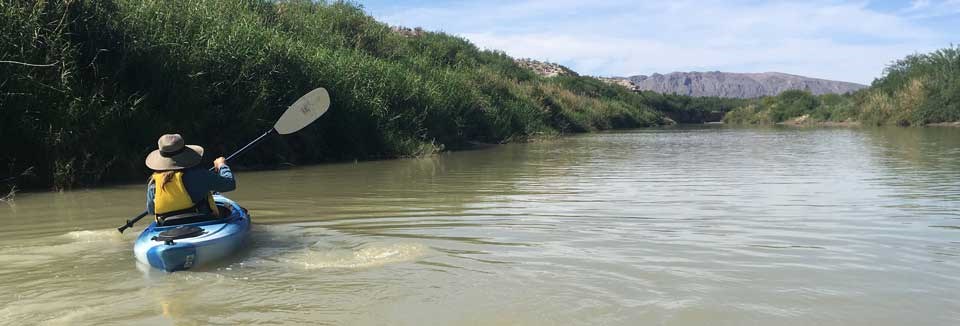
(619, 81)
(735, 85)
(545, 69)
(407, 31)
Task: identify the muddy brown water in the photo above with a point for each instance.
(677, 226)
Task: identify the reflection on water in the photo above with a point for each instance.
(685, 226)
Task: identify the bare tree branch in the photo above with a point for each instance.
(30, 64)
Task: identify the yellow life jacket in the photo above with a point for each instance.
(173, 197)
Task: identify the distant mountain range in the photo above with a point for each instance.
(711, 83)
(726, 84)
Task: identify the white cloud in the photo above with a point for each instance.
(821, 38)
(923, 9)
(918, 5)
(616, 56)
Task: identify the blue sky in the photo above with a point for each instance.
(833, 39)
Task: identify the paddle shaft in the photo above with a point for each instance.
(243, 149)
(254, 142)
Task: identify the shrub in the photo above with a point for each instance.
(108, 77)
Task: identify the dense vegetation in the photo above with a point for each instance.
(86, 87)
(679, 108)
(687, 109)
(918, 90)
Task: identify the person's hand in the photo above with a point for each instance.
(220, 161)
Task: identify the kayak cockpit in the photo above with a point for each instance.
(194, 217)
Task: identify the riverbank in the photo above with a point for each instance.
(805, 121)
(945, 124)
(918, 90)
(89, 86)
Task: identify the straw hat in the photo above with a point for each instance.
(173, 154)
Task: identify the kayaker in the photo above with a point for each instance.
(178, 185)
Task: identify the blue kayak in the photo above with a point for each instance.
(188, 245)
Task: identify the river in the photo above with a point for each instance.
(674, 226)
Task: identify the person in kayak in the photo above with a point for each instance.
(178, 185)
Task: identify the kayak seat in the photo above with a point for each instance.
(194, 217)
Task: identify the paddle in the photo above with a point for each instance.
(301, 114)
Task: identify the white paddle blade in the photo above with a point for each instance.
(303, 112)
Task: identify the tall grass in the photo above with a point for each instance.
(917, 90)
(88, 86)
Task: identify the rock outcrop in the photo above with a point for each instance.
(619, 81)
(546, 69)
(407, 31)
(739, 85)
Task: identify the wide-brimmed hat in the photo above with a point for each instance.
(173, 154)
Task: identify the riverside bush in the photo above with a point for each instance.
(917, 90)
(88, 86)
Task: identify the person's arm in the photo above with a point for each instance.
(223, 180)
(151, 191)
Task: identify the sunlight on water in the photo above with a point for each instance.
(371, 255)
(97, 235)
